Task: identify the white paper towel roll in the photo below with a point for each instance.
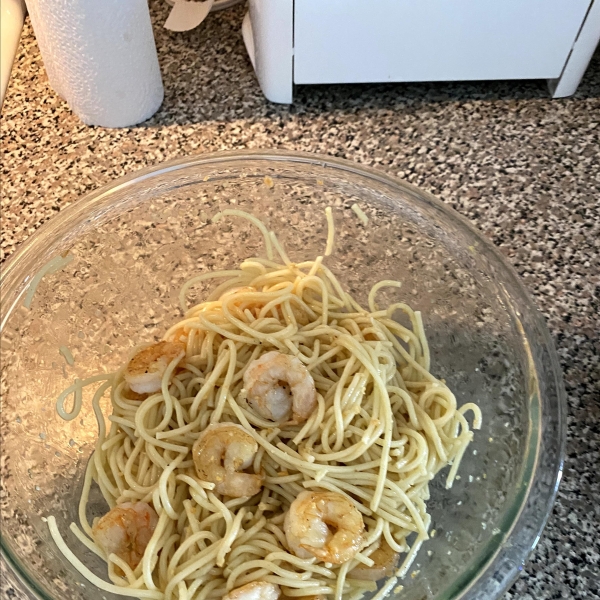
(100, 56)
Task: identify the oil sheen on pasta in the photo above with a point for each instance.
(382, 427)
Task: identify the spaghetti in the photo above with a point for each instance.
(381, 428)
(53, 265)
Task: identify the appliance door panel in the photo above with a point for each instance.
(353, 41)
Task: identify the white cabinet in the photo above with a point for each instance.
(352, 41)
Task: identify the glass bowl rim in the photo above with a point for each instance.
(47, 232)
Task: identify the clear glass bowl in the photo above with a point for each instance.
(136, 241)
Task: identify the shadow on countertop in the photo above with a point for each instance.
(198, 68)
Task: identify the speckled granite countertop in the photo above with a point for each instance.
(523, 168)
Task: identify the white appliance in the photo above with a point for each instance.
(367, 41)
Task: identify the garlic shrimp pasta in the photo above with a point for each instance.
(278, 442)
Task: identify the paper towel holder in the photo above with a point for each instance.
(101, 58)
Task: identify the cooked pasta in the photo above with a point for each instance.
(280, 439)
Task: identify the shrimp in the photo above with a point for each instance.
(220, 453)
(257, 590)
(280, 386)
(145, 370)
(129, 394)
(126, 530)
(324, 524)
(385, 561)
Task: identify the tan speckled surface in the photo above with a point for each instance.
(525, 169)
